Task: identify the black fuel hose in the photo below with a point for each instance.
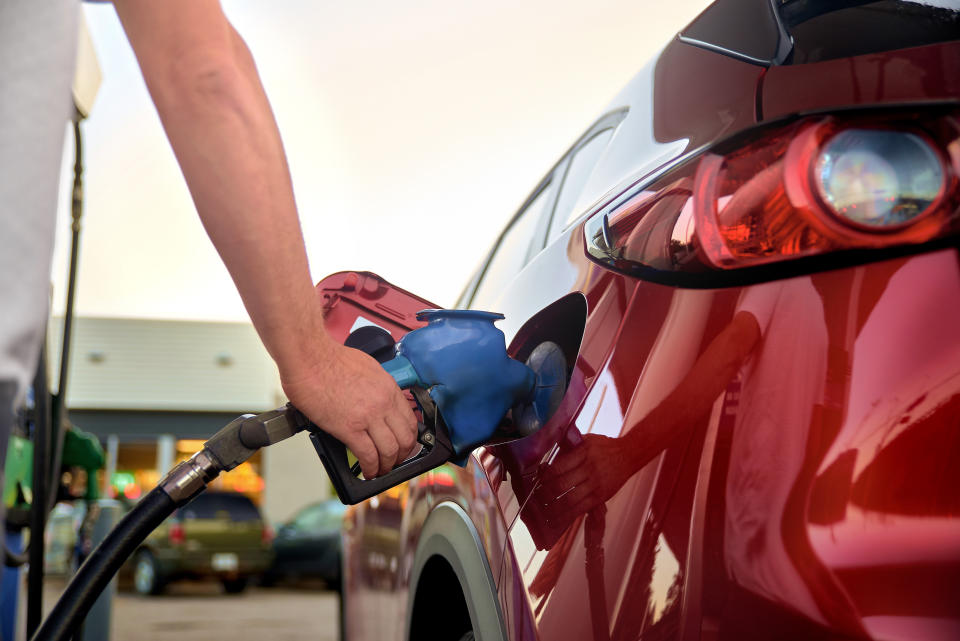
(102, 564)
(232, 445)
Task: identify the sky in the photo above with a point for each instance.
(413, 132)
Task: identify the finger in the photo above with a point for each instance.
(405, 438)
(558, 483)
(579, 500)
(566, 462)
(404, 426)
(589, 501)
(387, 446)
(364, 449)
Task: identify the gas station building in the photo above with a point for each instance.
(153, 390)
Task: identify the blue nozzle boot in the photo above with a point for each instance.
(461, 357)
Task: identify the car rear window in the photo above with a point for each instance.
(828, 29)
(236, 507)
(790, 32)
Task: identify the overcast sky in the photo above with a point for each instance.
(413, 132)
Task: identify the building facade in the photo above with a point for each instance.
(154, 390)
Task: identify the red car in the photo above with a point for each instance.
(750, 262)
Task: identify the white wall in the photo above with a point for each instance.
(141, 364)
(293, 477)
(146, 364)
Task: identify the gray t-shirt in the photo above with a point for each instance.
(38, 43)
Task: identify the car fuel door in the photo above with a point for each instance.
(358, 299)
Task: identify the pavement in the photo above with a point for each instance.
(202, 612)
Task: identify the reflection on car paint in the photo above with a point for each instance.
(771, 504)
(765, 461)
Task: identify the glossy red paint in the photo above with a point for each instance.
(799, 527)
(765, 461)
(825, 453)
(381, 534)
(917, 75)
(702, 97)
(349, 297)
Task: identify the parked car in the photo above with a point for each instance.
(218, 535)
(308, 545)
(750, 262)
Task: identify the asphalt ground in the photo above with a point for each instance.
(202, 612)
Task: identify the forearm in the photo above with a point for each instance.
(228, 145)
(208, 94)
(222, 130)
(697, 392)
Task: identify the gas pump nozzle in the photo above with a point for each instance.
(464, 383)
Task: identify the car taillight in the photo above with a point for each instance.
(177, 536)
(819, 186)
(266, 535)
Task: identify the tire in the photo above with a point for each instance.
(147, 579)
(268, 580)
(234, 586)
(334, 582)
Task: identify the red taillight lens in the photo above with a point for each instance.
(177, 536)
(816, 187)
(266, 535)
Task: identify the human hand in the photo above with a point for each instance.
(347, 394)
(585, 476)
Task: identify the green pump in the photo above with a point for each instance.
(80, 449)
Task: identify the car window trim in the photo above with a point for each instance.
(482, 272)
(607, 122)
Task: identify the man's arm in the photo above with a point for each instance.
(207, 91)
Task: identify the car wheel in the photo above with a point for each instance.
(234, 586)
(268, 580)
(334, 583)
(146, 574)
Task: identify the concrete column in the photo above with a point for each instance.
(113, 445)
(166, 452)
(98, 622)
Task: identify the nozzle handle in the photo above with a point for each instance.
(352, 489)
(436, 450)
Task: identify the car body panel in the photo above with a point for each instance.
(352, 299)
(380, 537)
(379, 560)
(765, 460)
(927, 74)
(809, 456)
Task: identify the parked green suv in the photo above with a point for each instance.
(217, 535)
